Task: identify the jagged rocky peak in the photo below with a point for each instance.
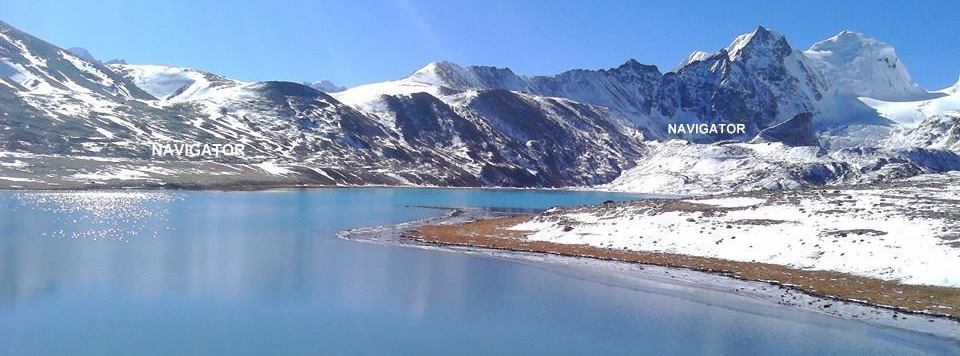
(795, 132)
(859, 65)
(758, 80)
(634, 65)
(761, 53)
(760, 41)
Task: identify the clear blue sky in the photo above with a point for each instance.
(353, 42)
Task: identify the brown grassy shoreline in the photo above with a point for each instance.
(919, 299)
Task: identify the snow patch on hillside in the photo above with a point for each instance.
(683, 167)
(730, 202)
(173, 83)
(367, 97)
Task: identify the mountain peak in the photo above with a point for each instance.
(760, 30)
(325, 86)
(860, 65)
(634, 65)
(850, 43)
(454, 76)
(81, 52)
(437, 65)
(694, 57)
(848, 35)
(760, 38)
(437, 72)
(631, 63)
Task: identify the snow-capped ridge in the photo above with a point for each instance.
(455, 76)
(694, 56)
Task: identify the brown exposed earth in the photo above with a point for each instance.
(494, 233)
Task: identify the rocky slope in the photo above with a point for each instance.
(58, 105)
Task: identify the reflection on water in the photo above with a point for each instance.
(263, 273)
(100, 214)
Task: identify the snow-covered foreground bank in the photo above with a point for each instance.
(908, 231)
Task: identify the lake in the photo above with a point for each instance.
(262, 273)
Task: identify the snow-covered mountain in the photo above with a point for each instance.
(56, 104)
(857, 65)
(621, 88)
(73, 119)
(30, 65)
(759, 80)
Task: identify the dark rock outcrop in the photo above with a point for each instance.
(795, 132)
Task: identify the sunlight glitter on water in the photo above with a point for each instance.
(101, 214)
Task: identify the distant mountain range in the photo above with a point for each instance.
(844, 111)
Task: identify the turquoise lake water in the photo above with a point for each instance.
(262, 273)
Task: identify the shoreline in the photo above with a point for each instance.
(305, 187)
(245, 187)
(629, 274)
(493, 233)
